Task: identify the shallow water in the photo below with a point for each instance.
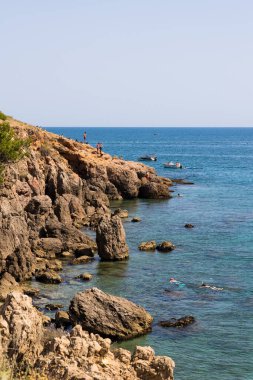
(217, 251)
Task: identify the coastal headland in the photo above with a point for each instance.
(60, 186)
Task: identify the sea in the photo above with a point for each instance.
(218, 251)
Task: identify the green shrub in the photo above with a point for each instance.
(12, 148)
(2, 116)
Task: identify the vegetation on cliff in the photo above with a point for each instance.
(12, 148)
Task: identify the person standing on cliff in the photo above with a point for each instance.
(84, 137)
(100, 149)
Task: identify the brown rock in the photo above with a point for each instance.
(48, 277)
(181, 322)
(85, 276)
(109, 316)
(111, 239)
(188, 225)
(62, 319)
(147, 246)
(121, 213)
(136, 219)
(165, 246)
(81, 260)
(20, 329)
(8, 284)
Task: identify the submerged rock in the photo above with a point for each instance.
(110, 316)
(181, 322)
(53, 306)
(136, 219)
(165, 246)
(147, 246)
(85, 276)
(188, 225)
(111, 239)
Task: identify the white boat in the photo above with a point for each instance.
(151, 157)
(173, 165)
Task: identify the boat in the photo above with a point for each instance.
(173, 165)
(148, 157)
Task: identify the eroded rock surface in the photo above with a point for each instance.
(109, 316)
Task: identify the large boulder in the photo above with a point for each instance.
(111, 239)
(153, 190)
(110, 316)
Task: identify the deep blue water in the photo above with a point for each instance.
(217, 251)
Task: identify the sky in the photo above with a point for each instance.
(127, 62)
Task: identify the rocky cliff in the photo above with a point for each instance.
(59, 187)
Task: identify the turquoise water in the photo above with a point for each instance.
(217, 251)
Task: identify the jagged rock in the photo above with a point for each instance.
(85, 276)
(109, 316)
(121, 213)
(81, 260)
(181, 322)
(111, 239)
(165, 246)
(20, 329)
(151, 367)
(62, 319)
(136, 219)
(147, 246)
(189, 225)
(48, 277)
(40, 204)
(8, 284)
(75, 355)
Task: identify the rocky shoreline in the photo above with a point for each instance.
(47, 197)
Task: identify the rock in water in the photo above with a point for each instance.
(147, 245)
(181, 322)
(111, 239)
(110, 316)
(165, 246)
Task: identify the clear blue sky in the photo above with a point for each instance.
(127, 62)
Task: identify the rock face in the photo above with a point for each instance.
(70, 356)
(109, 316)
(7, 285)
(111, 239)
(181, 322)
(58, 188)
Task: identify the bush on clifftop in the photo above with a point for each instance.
(12, 148)
(2, 116)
